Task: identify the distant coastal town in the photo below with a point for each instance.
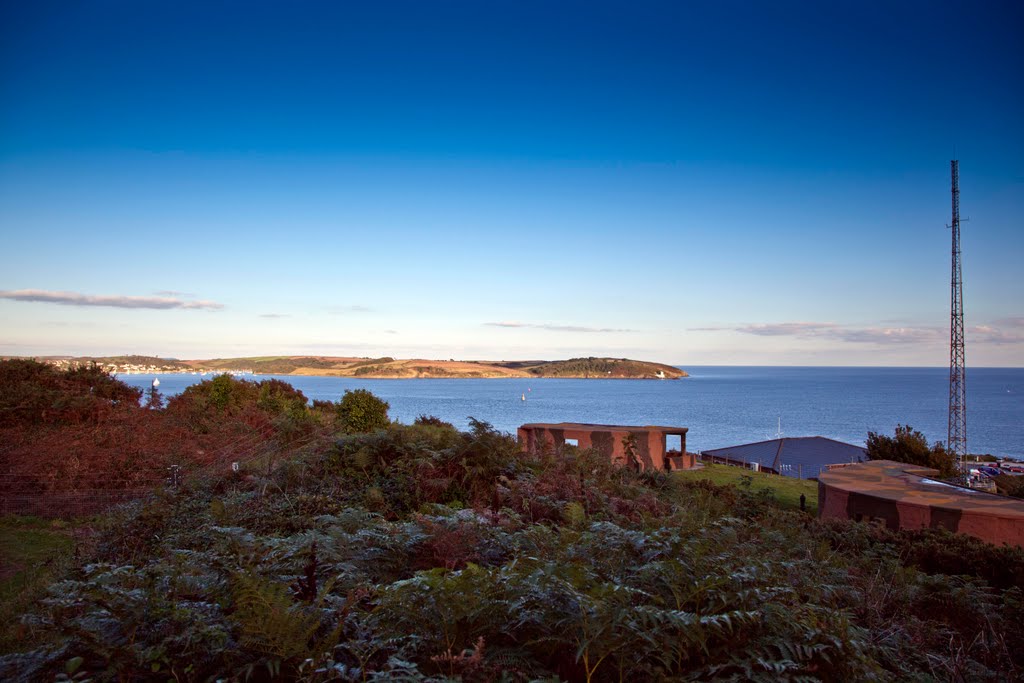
(139, 368)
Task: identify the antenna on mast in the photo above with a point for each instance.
(956, 440)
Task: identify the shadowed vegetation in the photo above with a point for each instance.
(81, 430)
(421, 553)
(32, 553)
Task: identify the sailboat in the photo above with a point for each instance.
(524, 397)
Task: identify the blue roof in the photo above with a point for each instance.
(805, 455)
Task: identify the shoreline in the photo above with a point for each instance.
(357, 377)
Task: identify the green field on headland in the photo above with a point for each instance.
(785, 490)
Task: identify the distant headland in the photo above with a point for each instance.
(384, 368)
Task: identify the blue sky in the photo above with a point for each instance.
(716, 183)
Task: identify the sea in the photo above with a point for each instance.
(721, 406)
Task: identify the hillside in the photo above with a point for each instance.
(383, 368)
(614, 368)
(391, 368)
(421, 554)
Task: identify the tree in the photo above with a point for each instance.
(630, 449)
(911, 446)
(154, 399)
(360, 411)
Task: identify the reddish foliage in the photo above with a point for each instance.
(470, 664)
(84, 431)
(448, 547)
(36, 393)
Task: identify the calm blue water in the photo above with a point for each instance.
(722, 406)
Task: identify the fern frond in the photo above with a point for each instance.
(270, 621)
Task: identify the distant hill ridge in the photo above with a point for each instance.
(391, 368)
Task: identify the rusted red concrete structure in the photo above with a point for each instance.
(903, 496)
(611, 440)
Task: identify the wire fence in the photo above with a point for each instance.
(68, 504)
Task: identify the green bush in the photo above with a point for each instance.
(359, 412)
(910, 446)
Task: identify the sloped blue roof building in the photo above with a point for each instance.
(794, 456)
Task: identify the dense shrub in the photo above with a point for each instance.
(431, 421)
(910, 446)
(210, 404)
(32, 393)
(82, 430)
(359, 411)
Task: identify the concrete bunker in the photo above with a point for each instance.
(901, 496)
(645, 447)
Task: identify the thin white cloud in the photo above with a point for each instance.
(175, 293)
(354, 308)
(274, 316)
(794, 329)
(1004, 331)
(797, 329)
(115, 301)
(991, 334)
(888, 335)
(82, 324)
(556, 328)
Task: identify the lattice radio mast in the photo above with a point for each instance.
(956, 440)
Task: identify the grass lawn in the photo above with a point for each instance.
(33, 552)
(787, 489)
